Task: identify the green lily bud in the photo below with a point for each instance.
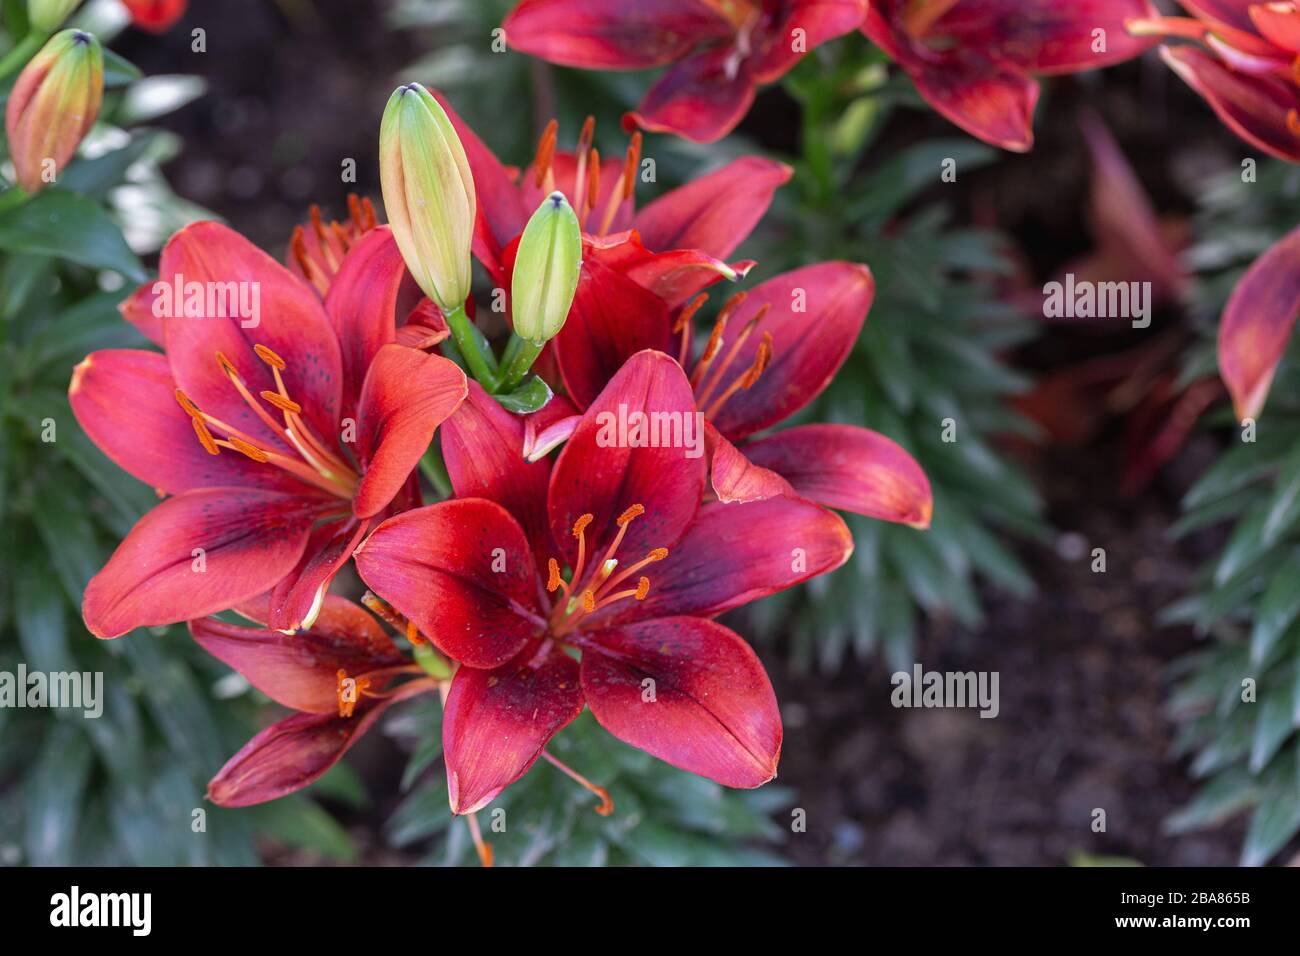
(48, 15)
(428, 194)
(546, 270)
(53, 105)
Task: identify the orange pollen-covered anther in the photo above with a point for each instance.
(630, 165)
(280, 402)
(249, 449)
(600, 590)
(350, 691)
(270, 358)
(545, 152)
(1293, 122)
(190, 408)
(205, 437)
(228, 367)
(581, 524)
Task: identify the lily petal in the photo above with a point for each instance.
(737, 553)
(125, 401)
(674, 276)
(437, 566)
(850, 468)
(297, 751)
(496, 722)
(483, 447)
(199, 553)
(1278, 22)
(816, 313)
(1257, 324)
(362, 306)
(297, 596)
(817, 22)
(709, 707)
(1253, 107)
(736, 479)
(598, 474)
(406, 396)
(290, 320)
(612, 318)
(301, 670)
(138, 309)
(702, 98)
(612, 34)
(715, 212)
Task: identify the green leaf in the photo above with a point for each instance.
(53, 797)
(527, 398)
(119, 71)
(1275, 821)
(59, 223)
(1278, 608)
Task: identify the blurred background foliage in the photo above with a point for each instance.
(1245, 602)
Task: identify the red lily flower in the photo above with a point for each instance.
(796, 329)
(720, 51)
(482, 576)
(279, 438)
(155, 16)
(338, 674)
(975, 60)
(659, 248)
(1250, 76)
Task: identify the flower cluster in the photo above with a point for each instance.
(570, 565)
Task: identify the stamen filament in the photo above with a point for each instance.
(746, 380)
(606, 806)
(716, 375)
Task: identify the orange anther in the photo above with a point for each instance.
(252, 451)
(642, 589)
(227, 366)
(553, 571)
(658, 554)
(635, 511)
(545, 152)
(280, 402)
(205, 436)
(190, 408)
(269, 357)
(580, 525)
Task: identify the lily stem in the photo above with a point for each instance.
(519, 358)
(474, 347)
(22, 52)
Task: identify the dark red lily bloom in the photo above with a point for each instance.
(975, 61)
(673, 247)
(338, 674)
(718, 51)
(155, 16)
(279, 437)
(606, 552)
(792, 333)
(1250, 75)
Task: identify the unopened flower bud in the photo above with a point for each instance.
(48, 15)
(428, 194)
(53, 105)
(546, 270)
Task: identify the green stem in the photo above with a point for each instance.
(473, 347)
(435, 469)
(17, 57)
(519, 359)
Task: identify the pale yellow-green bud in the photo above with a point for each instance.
(48, 15)
(428, 194)
(546, 270)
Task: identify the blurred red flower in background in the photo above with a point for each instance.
(718, 51)
(975, 61)
(155, 16)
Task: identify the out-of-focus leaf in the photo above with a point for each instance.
(59, 223)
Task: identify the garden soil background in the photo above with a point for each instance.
(1084, 666)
